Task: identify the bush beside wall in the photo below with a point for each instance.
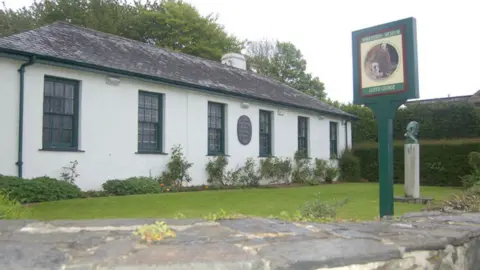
(40, 189)
(440, 164)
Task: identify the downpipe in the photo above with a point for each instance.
(21, 70)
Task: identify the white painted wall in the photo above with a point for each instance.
(108, 127)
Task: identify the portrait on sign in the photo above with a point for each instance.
(381, 63)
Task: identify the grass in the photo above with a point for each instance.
(363, 203)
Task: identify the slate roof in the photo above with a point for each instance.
(62, 41)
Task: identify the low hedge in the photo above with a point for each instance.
(440, 164)
(40, 189)
(131, 186)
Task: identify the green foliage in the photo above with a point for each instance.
(330, 173)
(440, 164)
(437, 121)
(10, 209)
(40, 189)
(472, 179)
(349, 166)
(221, 215)
(247, 176)
(69, 173)
(276, 170)
(154, 232)
(284, 62)
(177, 169)
(216, 170)
(312, 173)
(131, 186)
(172, 24)
(317, 208)
(94, 194)
(303, 171)
(467, 201)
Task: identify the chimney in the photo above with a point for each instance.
(234, 60)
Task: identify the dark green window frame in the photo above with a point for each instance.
(333, 139)
(303, 134)
(60, 113)
(150, 122)
(216, 129)
(265, 133)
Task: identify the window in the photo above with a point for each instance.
(333, 139)
(216, 129)
(150, 122)
(303, 134)
(265, 133)
(60, 113)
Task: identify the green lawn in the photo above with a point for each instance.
(363, 203)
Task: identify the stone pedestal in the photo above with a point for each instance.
(412, 170)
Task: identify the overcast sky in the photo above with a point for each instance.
(448, 36)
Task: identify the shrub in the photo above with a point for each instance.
(468, 201)
(94, 194)
(246, 176)
(330, 173)
(349, 166)
(473, 178)
(10, 209)
(131, 186)
(216, 170)
(276, 170)
(304, 171)
(40, 189)
(69, 173)
(177, 169)
(440, 164)
(317, 208)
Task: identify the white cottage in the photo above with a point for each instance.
(117, 106)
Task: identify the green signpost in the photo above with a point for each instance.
(385, 75)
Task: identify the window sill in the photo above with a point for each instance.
(61, 150)
(217, 155)
(151, 153)
(266, 156)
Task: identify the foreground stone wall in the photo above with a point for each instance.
(417, 241)
(451, 258)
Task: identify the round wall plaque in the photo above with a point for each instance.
(244, 130)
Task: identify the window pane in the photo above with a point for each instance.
(59, 89)
(48, 88)
(141, 100)
(141, 115)
(57, 136)
(154, 116)
(46, 136)
(46, 120)
(68, 106)
(66, 136)
(67, 123)
(46, 104)
(57, 121)
(148, 102)
(56, 105)
(155, 102)
(69, 91)
(148, 115)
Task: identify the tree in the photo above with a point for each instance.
(170, 24)
(284, 62)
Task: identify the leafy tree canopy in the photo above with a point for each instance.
(169, 24)
(284, 62)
